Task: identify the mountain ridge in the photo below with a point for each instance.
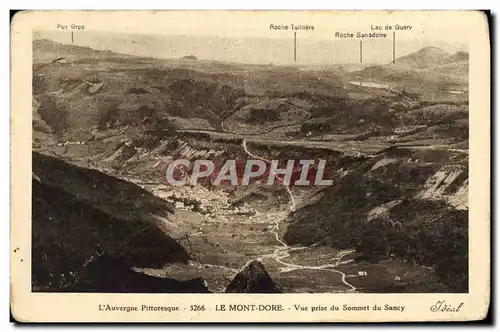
(48, 50)
(423, 58)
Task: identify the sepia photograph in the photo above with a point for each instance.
(273, 154)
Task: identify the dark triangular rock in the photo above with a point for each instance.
(253, 278)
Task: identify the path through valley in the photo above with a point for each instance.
(284, 250)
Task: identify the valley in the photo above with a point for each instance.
(106, 126)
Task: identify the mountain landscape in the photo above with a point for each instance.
(440, 70)
(106, 127)
(424, 58)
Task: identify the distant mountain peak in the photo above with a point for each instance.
(426, 57)
(431, 48)
(45, 50)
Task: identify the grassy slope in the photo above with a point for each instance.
(79, 214)
(379, 209)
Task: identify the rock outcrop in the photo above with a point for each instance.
(253, 278)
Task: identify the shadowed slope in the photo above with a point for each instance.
(253, 278)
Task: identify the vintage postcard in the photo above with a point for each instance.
(250, 166)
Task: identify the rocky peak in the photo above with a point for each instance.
(253, 278)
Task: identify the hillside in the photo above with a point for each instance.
(383, 204)
(395, 140)
(429, 69)
(154, 90)
(80, 215)
(46, 51)
(423, 58)
(456, 57)
(454, 69)
(455, 65)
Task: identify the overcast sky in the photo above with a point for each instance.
(246, 37)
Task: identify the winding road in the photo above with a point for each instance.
(287, 187)
(284, 251)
